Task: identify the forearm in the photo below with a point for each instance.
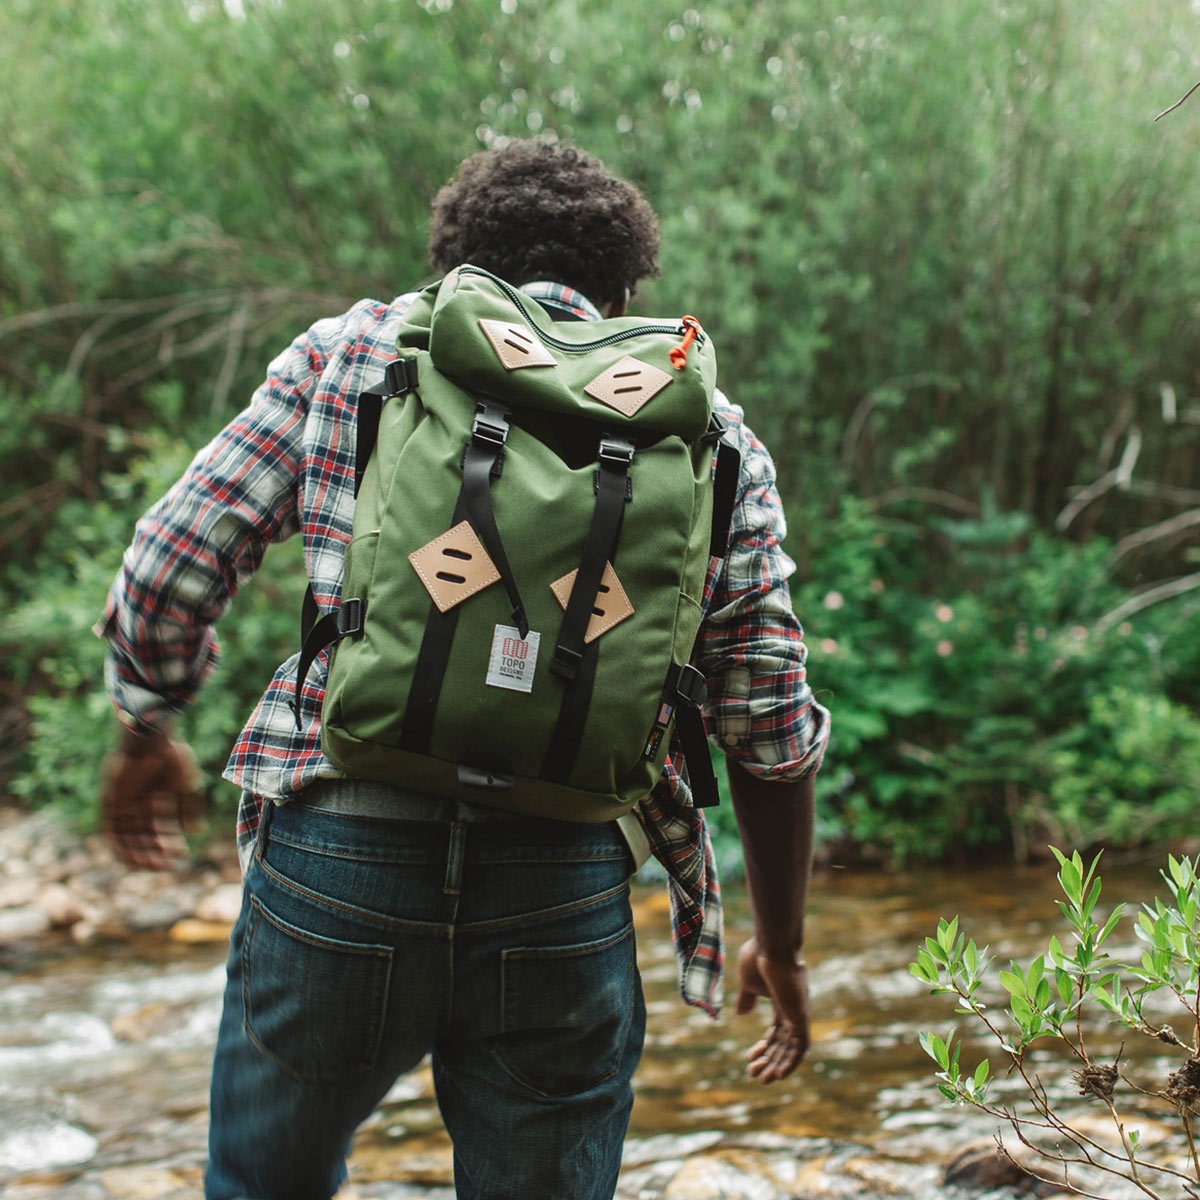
(775, 821)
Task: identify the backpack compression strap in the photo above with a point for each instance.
(483, 460)
(574, 660)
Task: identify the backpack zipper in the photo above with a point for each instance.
(680, 330)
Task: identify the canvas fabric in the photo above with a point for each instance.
(495, 730)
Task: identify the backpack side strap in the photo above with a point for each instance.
(316, 631)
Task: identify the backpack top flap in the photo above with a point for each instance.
(656, 376)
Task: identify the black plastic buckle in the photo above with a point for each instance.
(689, 687)
(717, 428)
(616, 453)
(350, 617)
(490, 427)
(400, 377)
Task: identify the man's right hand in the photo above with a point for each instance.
(150, 797)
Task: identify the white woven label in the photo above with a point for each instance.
(513, 659)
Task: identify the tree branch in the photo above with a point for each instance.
(1152, 596)
(1178, 103)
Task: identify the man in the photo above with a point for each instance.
(379, 925)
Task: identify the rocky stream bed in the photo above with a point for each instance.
(110, 985)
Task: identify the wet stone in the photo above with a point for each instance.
(222, 905)
(21, 924)
(147, 1183)
(709, 1177)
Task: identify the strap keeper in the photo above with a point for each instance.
(690, 687)
(350, 617)
(565, 662)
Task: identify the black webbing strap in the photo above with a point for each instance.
(310, 614)
(399, 378)
(483, 459)
(572, 718)
(599, 548)
(725, 488)
(694, 741)
(345, 621)
(575, 661)
(429, 673)
(685, 690)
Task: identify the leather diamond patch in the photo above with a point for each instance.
(612, 604)
(516, 344)
(628, 385)
(454, 566)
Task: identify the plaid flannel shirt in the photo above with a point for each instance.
(286, 465)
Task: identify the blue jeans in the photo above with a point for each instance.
(505, 949)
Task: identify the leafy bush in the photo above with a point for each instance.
(1057, 999)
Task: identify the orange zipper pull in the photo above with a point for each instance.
(678, 355)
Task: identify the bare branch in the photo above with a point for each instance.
(1153, 533)
(1120, 477)
(1163, 491)
(1178, 103)
(927, 496)
(1152, 596)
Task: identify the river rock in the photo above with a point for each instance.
(18, 891)
(713, 1177)
(222, 905)
(146, 1183)
(61, 905)
(984, 1167)
(19, 924)
(191, 931)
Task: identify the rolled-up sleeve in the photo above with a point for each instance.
(760, 709)
(206, 536)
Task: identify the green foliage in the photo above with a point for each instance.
(973, 690)
(1057, 998)
(949, 262)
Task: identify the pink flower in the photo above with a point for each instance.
(944, 613)
(945, 648)
(834, 601)
(828, 646)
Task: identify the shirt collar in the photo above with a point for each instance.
(559, 295)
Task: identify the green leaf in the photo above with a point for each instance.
(1013, 981)
(1056, 951)
(1071, 880)
(935, 1046)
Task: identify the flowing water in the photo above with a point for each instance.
(104, 1058)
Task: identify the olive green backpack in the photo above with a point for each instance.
(532, 534)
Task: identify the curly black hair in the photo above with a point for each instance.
(533, 209)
